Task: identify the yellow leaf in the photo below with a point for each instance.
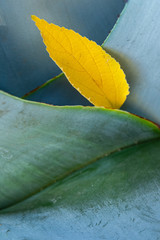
(93, 72)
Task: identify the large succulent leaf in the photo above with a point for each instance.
(134, 42)
(89, 173)
(115, 198)
(24, 63)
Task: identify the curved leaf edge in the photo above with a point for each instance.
(115, 25)
(92, 108)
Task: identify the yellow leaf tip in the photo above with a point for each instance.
(34, 18)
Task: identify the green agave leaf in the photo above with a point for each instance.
(115, 198)
(24, 62)
(134, 42)
(84, 172)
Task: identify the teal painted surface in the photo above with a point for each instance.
(24, 62)
(86, 173)
(134, 42)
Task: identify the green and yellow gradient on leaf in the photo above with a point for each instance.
(93, 72)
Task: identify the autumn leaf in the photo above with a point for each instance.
(93, 72)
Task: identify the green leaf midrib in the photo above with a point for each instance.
(81, 167)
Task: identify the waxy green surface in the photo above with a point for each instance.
(84, 172)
